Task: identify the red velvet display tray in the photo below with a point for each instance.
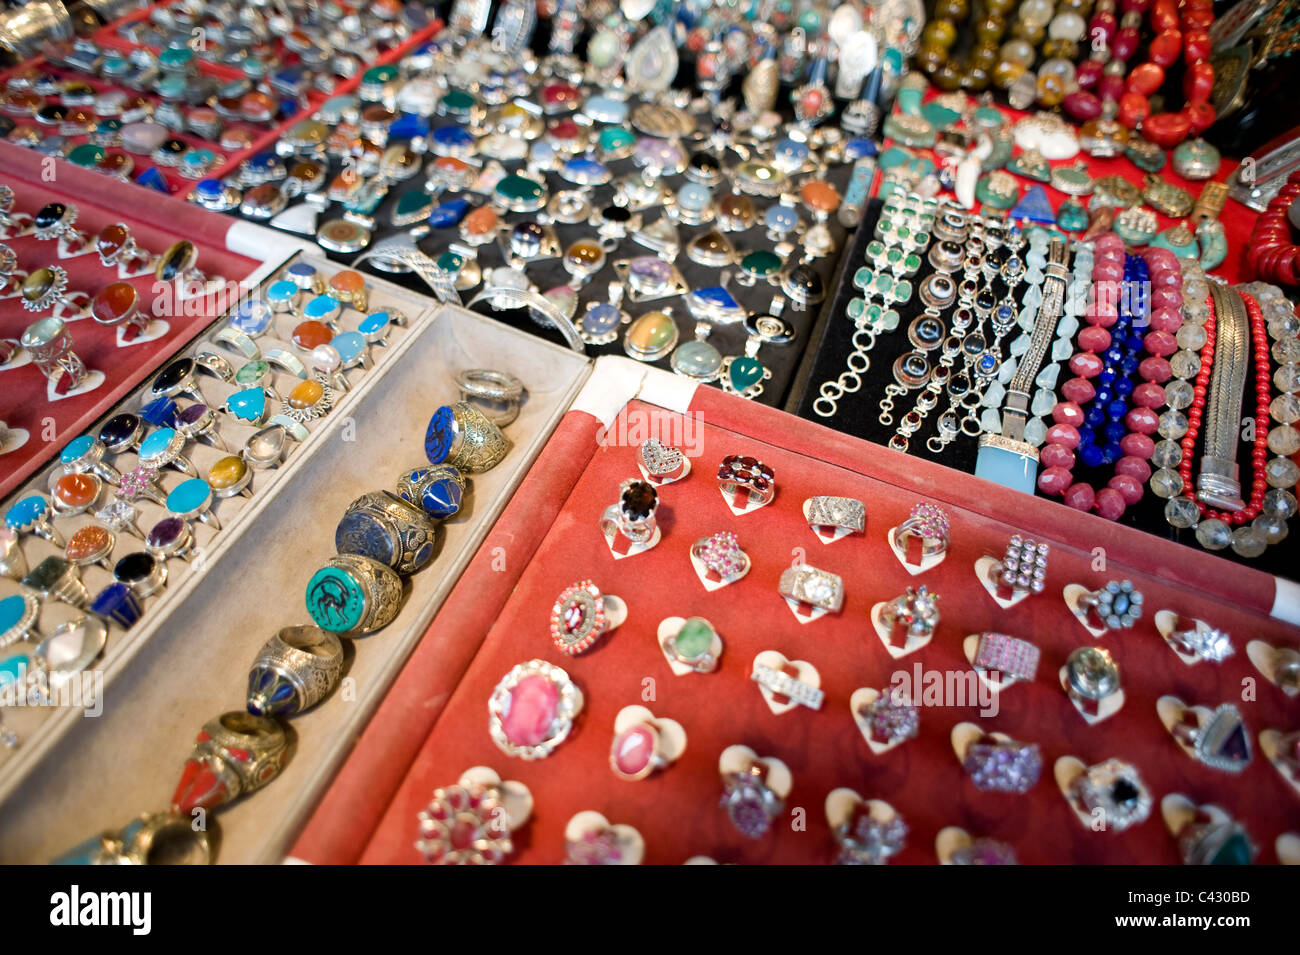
(155, 222)
(264, 135)
(434, 723)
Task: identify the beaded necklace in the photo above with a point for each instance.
(1113, 331)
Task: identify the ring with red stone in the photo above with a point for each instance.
(90, 545)
(471, 822)
(748, 477)
(75, 493)
(582, 615)
(349, 287)
(170, 537)
(532, 710)
(636, 753)
(234, 754)
(118, 304)
(117, 247)
(644, 744)
(928, 524)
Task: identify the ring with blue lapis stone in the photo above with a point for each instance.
(439, 489)
(294, 671)
(460, 435)
(384, 527)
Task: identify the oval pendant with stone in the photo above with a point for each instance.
(651, 336)
(698, 360)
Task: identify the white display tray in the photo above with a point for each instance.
(187, 661)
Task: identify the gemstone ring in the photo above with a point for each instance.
(439, 489)
(1115, 788)
(916, 614)
(750, 803)
(353, 593)
(170, 537)
(1091, 674)
(86, 455)
(233, 755)
(865, 840)
(12, 562)
(1207, 840)
(927, 523)
(18, 613)
(722, 555)
(163, 449)
(140, 482)
(846, 513)
(384, 527)
(294, 671)
(1118, 605)
(75, 493)
(640, 737)
(808, 585)
(1220, 742)
(462, 436)
(740, 476)
(31, 514)
(633, 515)
(290, 363)
(198, 422)
(90, 545)
(532, 710)
(192, 500)
(58, 578)
(1003, 765)
(579, 617)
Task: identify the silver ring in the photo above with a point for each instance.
(58, 578)
(290, 363)
(500, 391)
(808, 585)
(294, 671)
(843, 512)
(353, 594)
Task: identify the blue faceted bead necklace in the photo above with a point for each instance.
(1103, 421)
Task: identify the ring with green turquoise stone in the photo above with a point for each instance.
(353, 594)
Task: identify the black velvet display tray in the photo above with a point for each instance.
(857, 413)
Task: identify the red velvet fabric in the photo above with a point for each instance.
(264, 135)
(155, 222)
(549, 537)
